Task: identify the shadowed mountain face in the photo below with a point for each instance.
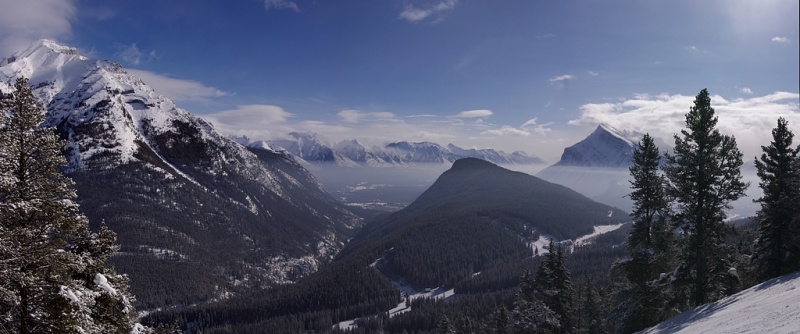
(475, 215)
(197, 215)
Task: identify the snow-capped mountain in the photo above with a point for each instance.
(605, 147)
(362, 155)
(314, 149)
(188, 203)
(597, 166)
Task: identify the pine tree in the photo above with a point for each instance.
(704, 177)
(530, 314)
(501, 321)
(544, 304)
(777, 249)
(444, 326)
(642, 300)
(53, 272)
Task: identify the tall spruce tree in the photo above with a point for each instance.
(704, 177)
(777, 250)
(642, 297)
(545, 303)
(53, 272)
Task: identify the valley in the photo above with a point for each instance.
(221, 233)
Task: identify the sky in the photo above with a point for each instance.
(523, 75)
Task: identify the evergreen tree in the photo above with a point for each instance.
(704, 177)
(501, 322)
(53, 272)
(444, 326)
(530, 314)
(777, 250)
(545, 304)
(642, 299)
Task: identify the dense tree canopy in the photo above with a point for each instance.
(53, 272)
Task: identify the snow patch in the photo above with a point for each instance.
(102, 283)
(770, 307)
(598, 230)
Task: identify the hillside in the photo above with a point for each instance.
(769, 307)
(473, 232)
(197, 215)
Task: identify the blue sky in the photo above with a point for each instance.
(513, 74)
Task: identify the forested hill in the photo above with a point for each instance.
(482, 189)
(476, 216)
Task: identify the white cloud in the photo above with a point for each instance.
(561, 78)
(506, 131)
(413, 14)
(133, 55)
(356, 116)
(22, 22)
(746, 90)
(533, 125)
(249, 119)
(593, 73)
(474, 113)
(281, 4)
(750, 120)
(177, 89)
(780, 39)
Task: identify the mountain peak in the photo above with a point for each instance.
(472, 164)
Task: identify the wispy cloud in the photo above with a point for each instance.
(256, 121)
(281, 4)
(131, 54)
(357, 116)
(750, 120)
(22, 22)
(475, 113)
(561, 78)
(780, 39)
(414, 14)
(534, 126)
(746, 90)
(593, 73)
(178, 90)
(506, 130)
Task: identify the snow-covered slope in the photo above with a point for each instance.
(170, 184)
(770, 307)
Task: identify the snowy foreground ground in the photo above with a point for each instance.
(770, 307)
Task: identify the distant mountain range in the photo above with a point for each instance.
(315, 149)
(198, 216)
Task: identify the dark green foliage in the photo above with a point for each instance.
(704, 177)
(777, 251)
(53, 274)
(545, 303)
(642, 291)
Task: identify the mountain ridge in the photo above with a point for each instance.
(314, 148)
(188, 203)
